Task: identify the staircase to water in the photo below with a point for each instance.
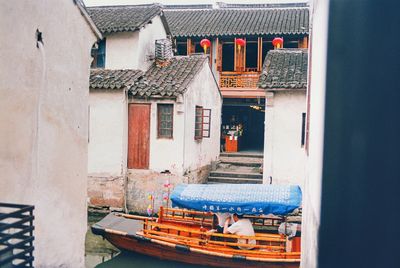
(238, 168)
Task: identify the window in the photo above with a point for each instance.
(202, 123)
(99, 55)
(206, 122)
(303, 129)
(198, 125)
(165, 120)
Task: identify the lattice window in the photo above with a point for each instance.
(165, 120)
(198, 125)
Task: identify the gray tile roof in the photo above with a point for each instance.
(169, 81)
(110, 19)
(113, 79)
(236, 22)
(284, 69)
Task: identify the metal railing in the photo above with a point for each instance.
(238, 79)
(16, 235)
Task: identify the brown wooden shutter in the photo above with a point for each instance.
(206, 123)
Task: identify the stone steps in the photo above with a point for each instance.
(231, 174)
(249, 155)
(238, 168)
(215, 180)
(241, 161)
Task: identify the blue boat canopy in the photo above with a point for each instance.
(251, 199)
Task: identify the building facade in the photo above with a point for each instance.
(150, 117)
(44, 121)
(269, 119)
(284, 79)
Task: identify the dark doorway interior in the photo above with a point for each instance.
(251, 55)
(251, 117)
(228, 57)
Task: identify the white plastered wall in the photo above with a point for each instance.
(203, 91)
(166, 154)
(44, 122)
(107, 139)
(121, 52)
(130, 50)
(313, 181)
(284, 156)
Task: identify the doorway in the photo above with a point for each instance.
(228, 54)
(245, 120)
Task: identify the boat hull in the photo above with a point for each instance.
(185, 255)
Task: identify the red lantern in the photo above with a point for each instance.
(205, 43)
(277, 42)
(240, 42)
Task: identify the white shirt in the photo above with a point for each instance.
(243, 227)
(222, 218)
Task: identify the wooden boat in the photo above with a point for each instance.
(183, 235)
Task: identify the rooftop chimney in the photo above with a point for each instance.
(163, 52)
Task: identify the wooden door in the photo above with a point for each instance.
(139, 136)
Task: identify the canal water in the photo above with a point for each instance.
(101, 254)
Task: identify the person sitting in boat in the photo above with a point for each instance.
(222, 217)
(241, 226)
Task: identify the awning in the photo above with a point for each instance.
(238, 198)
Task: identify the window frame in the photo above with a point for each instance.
(303, 129)
(98, 53)
(159, 121)
(206, 125)
(199, 133)
(196, 123)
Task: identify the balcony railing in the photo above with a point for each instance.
(16, 235)
(238, 79)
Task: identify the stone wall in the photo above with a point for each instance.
(141, 183)
(106, 191)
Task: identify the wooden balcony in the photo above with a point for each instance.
(238, 79)
(240, 85)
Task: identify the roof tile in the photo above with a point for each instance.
(234, 22)
(284, 69)
(110, 19)
(113, 79)
(168, 81)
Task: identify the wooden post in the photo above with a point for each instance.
(303, 43)
(161, 215)
(211, 54)
(234, 54)
(259, 55)
(188, 46)
(244, 56)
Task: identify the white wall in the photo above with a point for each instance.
(121, 50)
(147, 37)
(165, 154)
(312, 187)
(129, 50)
(203, 91)
(284, 157)
(107, 139)
(44, 122)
